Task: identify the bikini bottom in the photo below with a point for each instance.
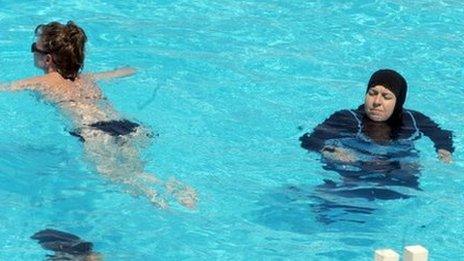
(114, 128)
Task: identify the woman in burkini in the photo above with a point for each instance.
(111, 142)
(380, 120)
(372, 147)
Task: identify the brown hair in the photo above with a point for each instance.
(66, 44)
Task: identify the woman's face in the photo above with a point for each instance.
(41, 56)
(379, 103)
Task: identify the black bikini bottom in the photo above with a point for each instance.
(113, 128)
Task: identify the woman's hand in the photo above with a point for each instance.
(338, 154)
(445, 156)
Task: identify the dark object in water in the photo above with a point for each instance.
(114, 128)
(59, 241)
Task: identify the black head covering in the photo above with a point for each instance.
(394, 82)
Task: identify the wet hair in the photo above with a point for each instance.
(65, 245)
(66, 44)
(394, 82)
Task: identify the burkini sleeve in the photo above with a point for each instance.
(338, 125)
(441, 138)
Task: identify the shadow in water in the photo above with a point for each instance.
(348, 202)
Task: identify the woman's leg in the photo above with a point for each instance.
(119, 160)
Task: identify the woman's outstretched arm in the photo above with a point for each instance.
(441, 138)
(338, 125)
(28, 83)
(116, 73)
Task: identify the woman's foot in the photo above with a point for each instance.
(185, 195)
(155, 199)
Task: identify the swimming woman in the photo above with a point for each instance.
(111, 142)
(372, 147)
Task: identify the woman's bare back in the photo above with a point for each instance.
(81, 99)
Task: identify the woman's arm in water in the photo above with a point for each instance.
(29, 83)
(338, 125)
(116, 73)
(441, 138)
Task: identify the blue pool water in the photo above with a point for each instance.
(230, 86)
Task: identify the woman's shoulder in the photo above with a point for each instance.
(420, 121)
(47, 82)
(346, 115)
(414, 115)
(346, 119)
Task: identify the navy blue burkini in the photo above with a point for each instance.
(387, 163)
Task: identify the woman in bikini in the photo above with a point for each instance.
(110, 142)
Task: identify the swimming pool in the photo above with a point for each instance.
(230, 86)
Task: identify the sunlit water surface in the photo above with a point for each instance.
(230, 86)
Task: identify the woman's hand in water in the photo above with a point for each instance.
(445, 156)
(338, 154)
